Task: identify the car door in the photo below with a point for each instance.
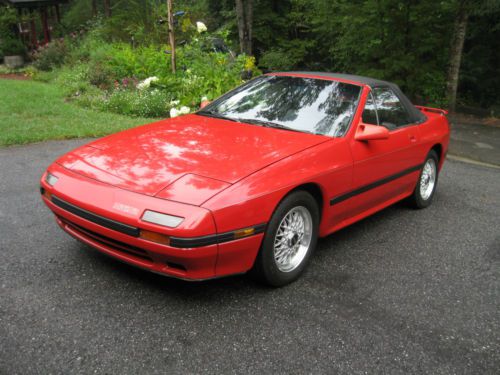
(385, 169)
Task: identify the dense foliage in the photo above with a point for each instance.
(405, 41)
(10, 44)
(137, 80)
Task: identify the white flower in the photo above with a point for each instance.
(173, 103)
(201, 27)
(204, 99)
(147, 83)
(174, 113)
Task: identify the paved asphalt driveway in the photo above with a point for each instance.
(402, 292)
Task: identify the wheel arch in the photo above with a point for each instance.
(438, 148)
(316, 192)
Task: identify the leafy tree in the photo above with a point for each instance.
(422, 45)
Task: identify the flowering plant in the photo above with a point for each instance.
(146, 84)
(201, 27)
(174, 112)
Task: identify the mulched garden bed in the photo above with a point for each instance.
(18, 76)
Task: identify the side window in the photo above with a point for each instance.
(391, 112)
(369, 115)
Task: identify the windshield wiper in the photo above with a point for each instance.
(215, 115)
(270, 124)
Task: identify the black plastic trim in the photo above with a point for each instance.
(103, 221)
(211, 239)
(375, 184)
(179, 242)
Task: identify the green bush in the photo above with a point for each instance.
(150, 103)
(50, 56)
(11, 46)
(105, 76)
(277, 59)
(74, 80)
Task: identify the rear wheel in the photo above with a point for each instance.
(427, 182)
(290, 238)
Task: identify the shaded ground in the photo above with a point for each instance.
(475, 141)
(403, 291)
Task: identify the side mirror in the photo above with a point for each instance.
(204, 103)
(367, 132)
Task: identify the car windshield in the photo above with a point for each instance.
(293, 103)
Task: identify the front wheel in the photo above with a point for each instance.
(290, 238)
(427, 182)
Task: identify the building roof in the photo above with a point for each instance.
(32, 3)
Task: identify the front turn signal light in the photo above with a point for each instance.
(244, 233)
(154, 237)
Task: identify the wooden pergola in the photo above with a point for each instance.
(49, 13)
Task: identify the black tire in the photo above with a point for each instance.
(265, 269)
(417, 200)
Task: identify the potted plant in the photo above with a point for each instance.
(13, 51)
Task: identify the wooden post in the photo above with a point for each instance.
(45, 25)
(58, 14)
(171, 35)
(34, 40)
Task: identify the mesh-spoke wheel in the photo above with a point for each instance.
(289, 240)
(428, 179)
(293, 239)
(427, 182)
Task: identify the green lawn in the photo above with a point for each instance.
(34, 111)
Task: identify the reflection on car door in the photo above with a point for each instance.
(384, 170)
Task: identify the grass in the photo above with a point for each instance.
(34, 112)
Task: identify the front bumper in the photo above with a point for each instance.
(204, 260)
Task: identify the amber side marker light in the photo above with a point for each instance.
(45, 193)
(154, 237)
(244, 232)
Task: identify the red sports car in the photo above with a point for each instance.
(250, 182)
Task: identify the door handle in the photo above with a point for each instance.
(412, 138)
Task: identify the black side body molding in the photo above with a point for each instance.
(373, 185)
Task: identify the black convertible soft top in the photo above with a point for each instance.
(416, 115)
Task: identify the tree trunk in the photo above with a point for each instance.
(94, 8)
(107, 8)
(244, 14)
(171, 35)
(456, 49)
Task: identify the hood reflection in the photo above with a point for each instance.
(149, 158)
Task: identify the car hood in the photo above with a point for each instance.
(187, 159)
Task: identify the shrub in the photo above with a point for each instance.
(10, 46)
(100, 75)
(106, 76)
(74, 80)
(50, 56)
(151, 103)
